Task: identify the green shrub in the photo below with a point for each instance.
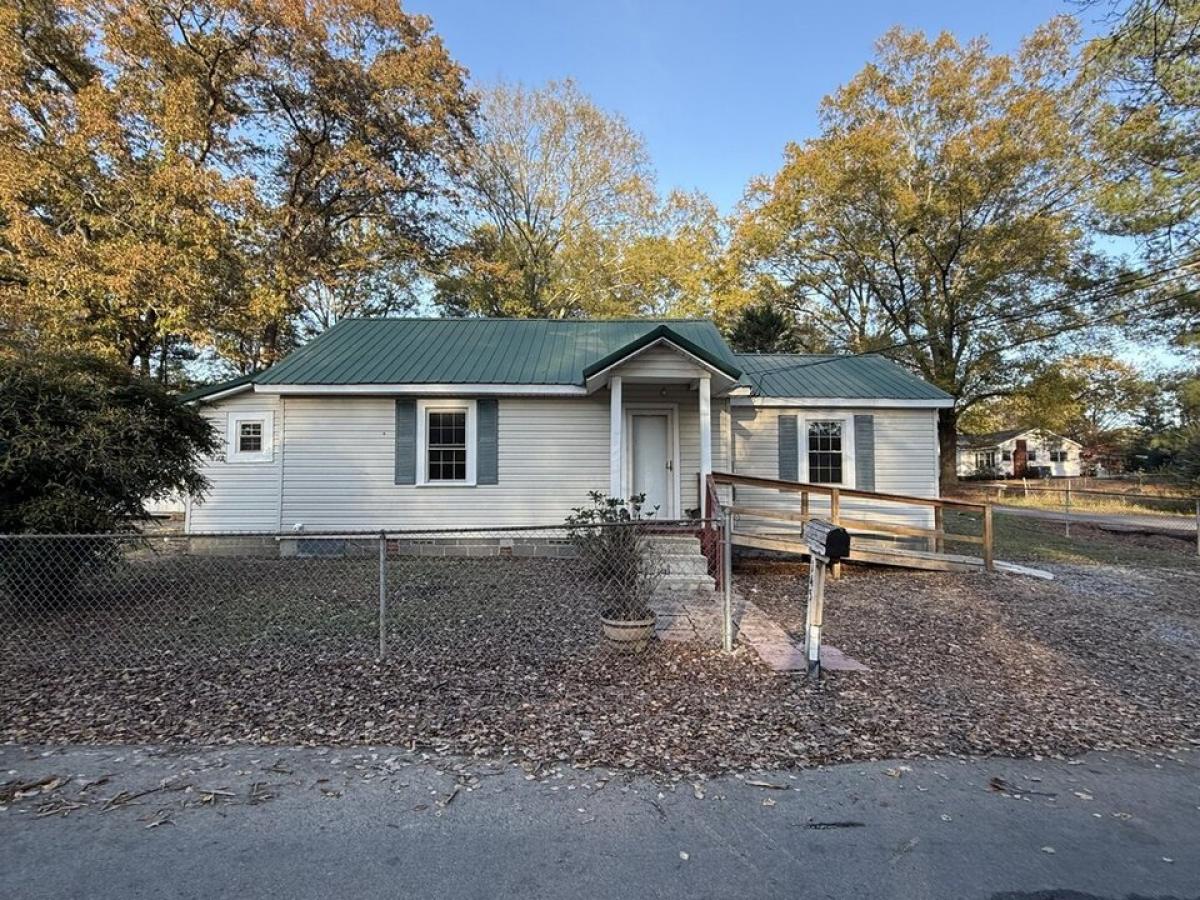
(610, 535)
(84, 443)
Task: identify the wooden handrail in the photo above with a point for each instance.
(802, 486)
(862, 525)
(937, 535)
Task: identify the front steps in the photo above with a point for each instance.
(684, 567)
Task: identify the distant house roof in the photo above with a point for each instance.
(795, 375)
(563, 352)
(995, 438)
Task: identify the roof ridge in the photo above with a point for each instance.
(647, 319)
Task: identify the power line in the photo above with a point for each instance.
(1121, 286)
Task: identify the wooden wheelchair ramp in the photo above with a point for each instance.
(769, 514)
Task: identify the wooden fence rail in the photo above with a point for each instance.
(935, 536)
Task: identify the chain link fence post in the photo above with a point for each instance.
(382, 595)
(727, 583)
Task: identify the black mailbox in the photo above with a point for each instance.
(827, 540)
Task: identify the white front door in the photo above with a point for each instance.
(652, 462)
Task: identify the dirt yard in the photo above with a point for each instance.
(1102, 657)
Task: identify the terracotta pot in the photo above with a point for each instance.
(626, 634)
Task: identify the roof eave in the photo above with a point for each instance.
(655, 335)
(848, 402)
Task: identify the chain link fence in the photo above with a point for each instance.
(480, 595)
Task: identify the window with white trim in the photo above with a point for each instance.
(1059, 456)
(447, 442)
(446, 446)
(826, 463)
(249, 437)
(985, 459)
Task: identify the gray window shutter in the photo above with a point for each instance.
(487, 442)
(789, 449)
(406, 441)
(864, 453)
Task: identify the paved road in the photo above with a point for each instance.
(366, 825)
(1131, 521)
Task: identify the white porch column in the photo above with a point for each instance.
(705, 393)
(615, 421)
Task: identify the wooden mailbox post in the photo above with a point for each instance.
(827, 545)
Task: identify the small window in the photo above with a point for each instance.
(825, 461)
(1058, 456)
(446, 442)
(1032, 456)
(1006, 456)
(250, 435)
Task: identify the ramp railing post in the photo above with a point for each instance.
(727, 583)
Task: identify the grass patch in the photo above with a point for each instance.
(1020, 539)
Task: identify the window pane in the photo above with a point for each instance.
(250, 437)
(447, 443)
(825, 452)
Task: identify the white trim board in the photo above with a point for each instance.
(595, 381)
(221, 395)
(843, 402)
(428, 390)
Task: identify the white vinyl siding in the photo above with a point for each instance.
(242, 496)
(336, 468)
(341, 458)
(660, 363)
(905, 460)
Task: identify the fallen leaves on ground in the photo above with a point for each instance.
(1098, 659)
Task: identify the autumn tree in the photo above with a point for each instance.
(551, 176)
(938, 216)
(1082, 396)
(1149, 137)
(214, 171)
(561, 218)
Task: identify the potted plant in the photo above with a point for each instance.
(610, 537)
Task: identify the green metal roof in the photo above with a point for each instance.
(209, 389)
(562, 352)
(485, 351)
(795, 375)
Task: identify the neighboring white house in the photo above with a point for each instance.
(422, 423)
(1019, 453)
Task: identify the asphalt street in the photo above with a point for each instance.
(312, 823)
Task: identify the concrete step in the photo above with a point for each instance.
(675, 542)
(684, 565)
(676, 584)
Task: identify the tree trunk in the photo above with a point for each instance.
(948, 447)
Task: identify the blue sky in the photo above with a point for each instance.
(716, 88)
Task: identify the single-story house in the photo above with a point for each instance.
(444, 423)
(1018, 453)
